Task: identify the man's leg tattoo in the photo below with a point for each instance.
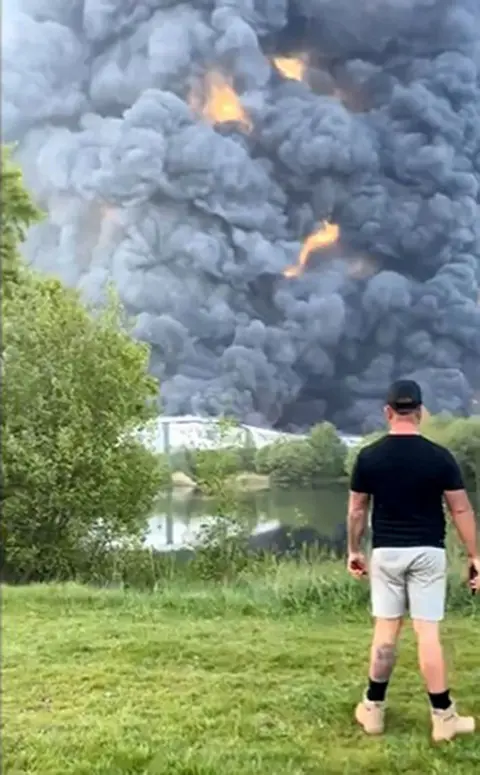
(382, 667)
(383, 662)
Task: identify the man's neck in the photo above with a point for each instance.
(404, 429)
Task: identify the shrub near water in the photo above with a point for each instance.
(75, 386)
(329, 452)
(74, 477)
(221, 551)
(231, 460)
(288, 463)
(223, 579)
(305, 462)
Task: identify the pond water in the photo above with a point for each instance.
(179, 515)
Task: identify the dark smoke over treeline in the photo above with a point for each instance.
(195, 222)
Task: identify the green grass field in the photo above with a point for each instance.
(214, 681)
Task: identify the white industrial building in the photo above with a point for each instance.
(171, 434)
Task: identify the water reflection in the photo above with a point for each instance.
(180, 515)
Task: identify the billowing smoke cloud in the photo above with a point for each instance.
(195, 223)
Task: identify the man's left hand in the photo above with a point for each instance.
(357, 565)
(474, 574)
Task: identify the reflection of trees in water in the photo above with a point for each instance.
(324, 509)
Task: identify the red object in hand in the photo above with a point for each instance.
(355, 565)
(473, 575)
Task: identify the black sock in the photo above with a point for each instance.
(440, 701)
(376, 690)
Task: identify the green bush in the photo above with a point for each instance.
(75, 477)
(211, 467)
(304, 462)
(222, 550)
(329, 452)
(292, 464)
(17, 214)
(264, 459)
(200, 464)
(256, 586)
(300, 462)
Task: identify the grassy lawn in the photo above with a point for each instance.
(113, 683)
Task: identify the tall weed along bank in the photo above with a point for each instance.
(223, 577)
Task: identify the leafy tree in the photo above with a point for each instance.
(76, 479)
(210, 467)
(304, 462)
(288, 463)
(18, 212)
(329, 452)
(292, 463)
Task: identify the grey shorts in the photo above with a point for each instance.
(412, 579)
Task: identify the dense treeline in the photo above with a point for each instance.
(307, 462)
(323, 457)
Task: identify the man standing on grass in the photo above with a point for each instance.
(408, 478)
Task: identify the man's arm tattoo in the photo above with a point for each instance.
(358, 503)
(383, 663)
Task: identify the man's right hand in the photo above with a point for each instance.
(357, 565)
(474, 578)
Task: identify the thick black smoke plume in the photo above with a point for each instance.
(196, 222)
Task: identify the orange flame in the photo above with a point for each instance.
(290, 67)
(327, 234)
(222, 102)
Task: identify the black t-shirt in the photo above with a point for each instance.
(406, 477)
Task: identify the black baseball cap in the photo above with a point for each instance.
(404, 396)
